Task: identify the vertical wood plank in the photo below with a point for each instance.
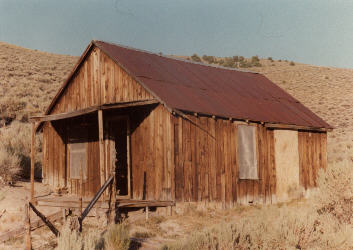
(101, 147)
(33, 159)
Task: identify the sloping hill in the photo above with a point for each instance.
(328, 92)
(28, 80)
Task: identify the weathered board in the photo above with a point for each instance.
(312, 156)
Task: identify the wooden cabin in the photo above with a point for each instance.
(178, 131)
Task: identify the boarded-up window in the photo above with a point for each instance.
(78, 160)
(247, 155)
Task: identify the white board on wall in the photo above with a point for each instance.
(287, 164)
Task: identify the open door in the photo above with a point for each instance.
(118, 153)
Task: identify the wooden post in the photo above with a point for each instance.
(81, 187)
(32, 160)
(170, 213)
(44, 219)
(101, 147)
(28, 241)
(146, 213)
(112, 214)
(128, 158)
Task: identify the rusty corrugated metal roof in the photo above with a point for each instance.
(194, 87)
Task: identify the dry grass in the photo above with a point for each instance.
(322, 222)
(116, 237)
(28, 80)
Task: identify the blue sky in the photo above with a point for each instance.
(316, 32)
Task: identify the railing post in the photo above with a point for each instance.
(28, 228)
(33, 160)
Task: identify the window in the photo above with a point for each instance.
(247, 155)
(78, 160)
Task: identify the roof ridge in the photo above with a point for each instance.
(174, 58)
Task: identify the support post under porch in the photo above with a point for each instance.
(33, 160)
(101, 148)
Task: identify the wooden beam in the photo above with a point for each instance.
(295, 127)
(92, 109)
(129, 104)
(45, 220)
(32, 160)
(34, 225)
(101, 147)
(28, 228)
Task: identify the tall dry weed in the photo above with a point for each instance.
(115, 238)
(336, 192)
(15, 150)
(74, 241)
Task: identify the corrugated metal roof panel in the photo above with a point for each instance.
(212, 90)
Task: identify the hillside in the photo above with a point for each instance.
(327, 91)
(28, 80)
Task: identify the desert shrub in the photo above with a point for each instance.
(336, 192)
(291, 63)
(270, 59)
(15, 148)
(245, 64)
(209, 59)
(195, 58)
(255, 59)
(236, 58)
(228, 62)
(74, 241)
(117, 237)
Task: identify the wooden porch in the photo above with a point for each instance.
(73, 202)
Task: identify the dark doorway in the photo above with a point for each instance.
(118, 136)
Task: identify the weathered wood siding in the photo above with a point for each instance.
(98, 81)
(152, 154)
(54, 164)
(56, 160)
(312, 156)
(172, 158)
(206, 163)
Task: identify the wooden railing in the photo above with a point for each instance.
(94, 200)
